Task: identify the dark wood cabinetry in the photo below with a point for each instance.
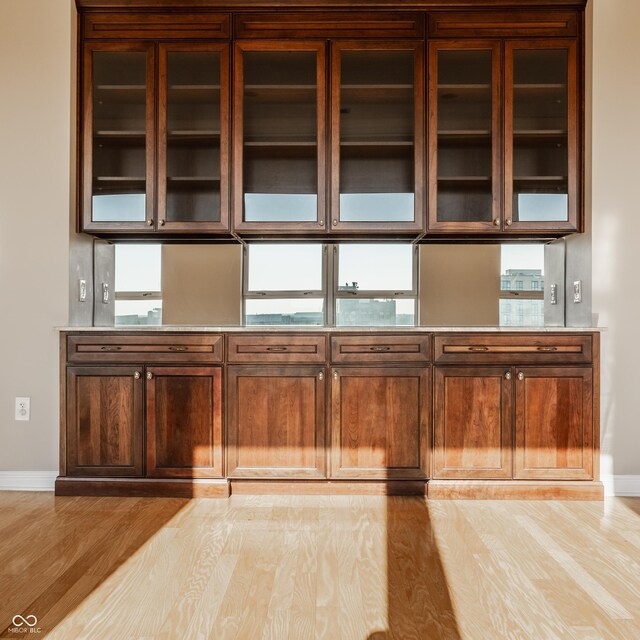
(379, 425)
(329, 115)
(275, 422)
(105, 419)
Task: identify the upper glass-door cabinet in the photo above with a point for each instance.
(119, 137)
(464, 137)
(541, 136)
(193, 144)
(279, 133)
(377, 136)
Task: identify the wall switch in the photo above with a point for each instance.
(82, 290)
(105, 293)
(554, 294)
(577, 291)
(23, 408)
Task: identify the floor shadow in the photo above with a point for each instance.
(54, 551)
(631, 503)
(419, 604)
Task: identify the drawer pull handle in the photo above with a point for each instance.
(110, 348)
(276, 348)
(478, 348)
(177, 348)
(379, 348)
(547, 348)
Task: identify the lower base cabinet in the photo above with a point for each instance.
(379, 424)
(275, 422)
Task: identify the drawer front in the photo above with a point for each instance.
(350, 24)
(141, 26)
(135, 349)
(380, 348)
(520, 349)
(514, 24)
(276, 348)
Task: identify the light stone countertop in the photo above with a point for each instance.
(318, 329)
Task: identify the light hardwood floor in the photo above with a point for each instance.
(352, 567)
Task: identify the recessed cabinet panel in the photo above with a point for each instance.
(280, 134)
(472, 422)
(541, 143)
(118, 143)
(464, 169)
(193, 158)
(377, 136)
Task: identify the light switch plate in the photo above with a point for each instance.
(82, 290)
(105, 293)
(554, 294)
(577, 291)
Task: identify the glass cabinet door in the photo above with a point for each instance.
(193, 144)
(118, 134)
(377, 136)
(464, 135)
(541, 128)
(279, 132)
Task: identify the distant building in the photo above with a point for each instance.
(528, 312)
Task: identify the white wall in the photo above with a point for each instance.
(616, 225)
(35, 113)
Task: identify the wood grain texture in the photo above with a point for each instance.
(369, 567)
(378, 348)
(184, 422)
(514, 490)
(379, 426)
(472, 422)
(275, 422)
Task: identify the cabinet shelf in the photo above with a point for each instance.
(120, 134)
(464, 179)
(280, 143)
(464, 133)
(119, 179)
(195, 181)
(540, 87)
(376, 143)
(539, 178)
(193, 134)
(120, 87)
(540, 133)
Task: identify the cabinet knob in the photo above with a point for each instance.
(149, 222)
(508, 222)
(161, 222)
(520, 376)
(335, 375)
(136, 375)
(321, 223)
(507, 376)
(335, 223)
(149, 375)
(496, 222)
(321, 375)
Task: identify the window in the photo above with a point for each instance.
(526, 263)
(361, 285)
(138, 284)
(285, 284)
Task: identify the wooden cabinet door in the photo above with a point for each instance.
(542, 129)
(275, 422)
(465, 160)
(554, 423)
(118, 154)
(379, 425)
(472, 422)
(184, 422)
(104, 421)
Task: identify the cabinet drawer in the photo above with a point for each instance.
(276, 348)
(142, 26)
(515, 24)
(520, 349)
(378, 348)
(189, 349)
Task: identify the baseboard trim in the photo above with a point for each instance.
(515, 490)
(622, 486)
(27, 480)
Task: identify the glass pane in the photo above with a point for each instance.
(522, 269)
(375, 267)
(277, 311)
(138, 267)
(377, 136)
(362, 312)
(119, 136)
(280, 121)
(522, 313)
(540, 130)
(285, 267)
(193, 137)
(465, 177)
(135, 312)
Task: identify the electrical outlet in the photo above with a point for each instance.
(82, 290)
(105, 293)
(554, 294)
(23, 408)
(577, 291)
